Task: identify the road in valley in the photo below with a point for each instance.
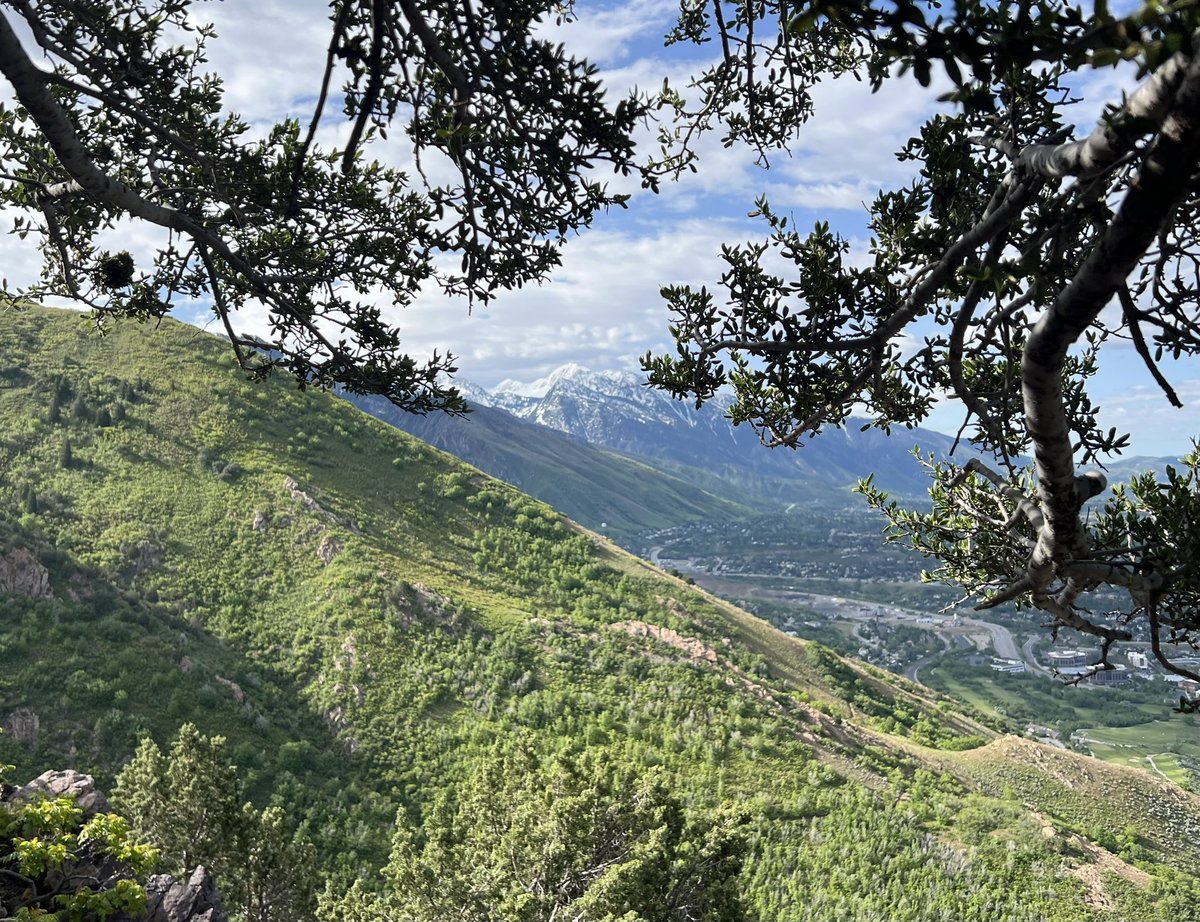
(1000, 638)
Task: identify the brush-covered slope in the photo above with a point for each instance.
(612, 493)
(363, 616)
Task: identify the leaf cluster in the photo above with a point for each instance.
(54, 865)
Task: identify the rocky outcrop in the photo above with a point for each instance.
(146, 556)
(695, 649)
(329, 548)
(68, 783)
(21, 573)
(304, 499)
(293, 487)
(168, 899)
(22, 725)
(194, 900)
(238, 694)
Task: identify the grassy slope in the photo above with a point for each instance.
(385, 611)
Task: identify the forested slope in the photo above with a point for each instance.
(366, 619)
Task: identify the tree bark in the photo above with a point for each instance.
(1162, 180)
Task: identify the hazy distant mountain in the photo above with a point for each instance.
(622, 458)
(616, 410)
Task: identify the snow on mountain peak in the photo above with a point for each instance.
(572, 372)
(473, 393)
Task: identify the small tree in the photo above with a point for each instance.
(277, 871)
(189, 804)
(29, 499)
(79, 409)
(56, 402)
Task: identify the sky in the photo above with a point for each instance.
(602, 308)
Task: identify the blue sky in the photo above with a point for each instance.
(602, 308)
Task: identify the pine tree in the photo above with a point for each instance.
(66, 458)
(189, 804)
(573, 839)
(61, 391)
(276, 869)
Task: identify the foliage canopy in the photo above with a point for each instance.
(128, 123)
(577, 839)
(188, 802)
(995, 278)
(55, 863)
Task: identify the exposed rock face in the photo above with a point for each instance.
(69, 783)
(22, 574)
(197, 900)
(293, 487)
(696, 649)
(145, 557)
(329, 548)
(238, 694)
(22, 725)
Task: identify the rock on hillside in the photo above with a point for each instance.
(168, 899)
(22, 574)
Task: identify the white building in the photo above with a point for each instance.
(1138, 660)
(1116, 676)
(1067, 659)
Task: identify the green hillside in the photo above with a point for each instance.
(364, 617)
(615, 494)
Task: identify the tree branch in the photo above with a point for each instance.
(1139, 343)
(1144, 111)
(339, 30)
(1162, 180)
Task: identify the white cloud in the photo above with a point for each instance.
(604, 35)
(269, 54)
(602, 309)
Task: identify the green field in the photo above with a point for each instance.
(1173, 745)
(1148, 728)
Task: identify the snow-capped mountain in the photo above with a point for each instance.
(623, 458)
(615, 410)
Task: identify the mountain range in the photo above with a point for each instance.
(617, 411)
(365, 619)
(623, 458)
